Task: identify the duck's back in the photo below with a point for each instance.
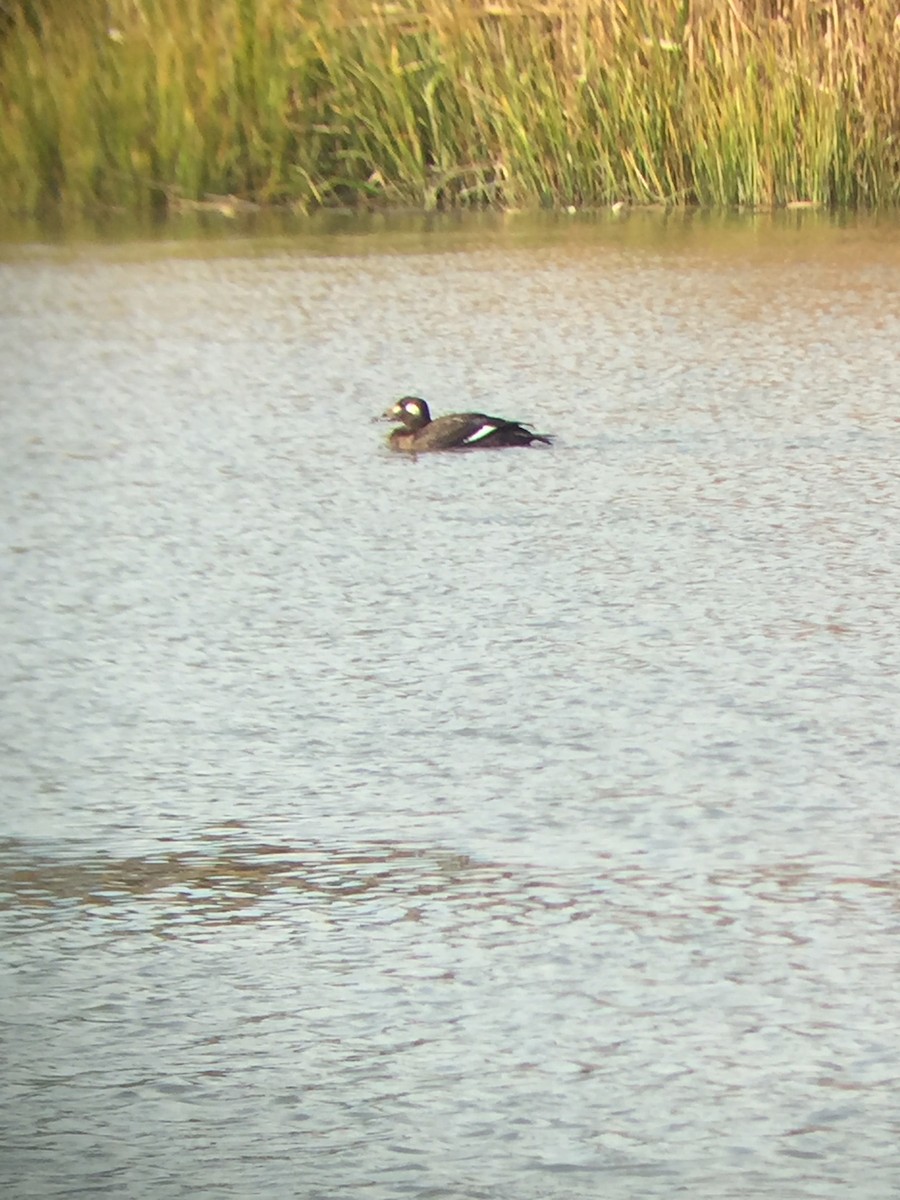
(461, 431)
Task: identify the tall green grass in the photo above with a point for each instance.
(143, 104)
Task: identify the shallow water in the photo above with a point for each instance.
(514, 826)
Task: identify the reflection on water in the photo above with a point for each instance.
(303, 1003)
(781, 236)
(222, 879)
(519, 826)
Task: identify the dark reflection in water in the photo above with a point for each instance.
(516, 826)
(304, 1004)
(228, 874)
(221, 879)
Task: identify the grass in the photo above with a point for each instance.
(145, 104)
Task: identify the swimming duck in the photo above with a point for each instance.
(458, 431)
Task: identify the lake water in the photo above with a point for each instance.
(497, 826)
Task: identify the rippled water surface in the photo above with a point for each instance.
(504, 826)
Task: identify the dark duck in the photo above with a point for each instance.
(417, 432)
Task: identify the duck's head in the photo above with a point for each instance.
(410, 411)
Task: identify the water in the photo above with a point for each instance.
(505, 826)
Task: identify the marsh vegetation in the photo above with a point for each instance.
(144, 104)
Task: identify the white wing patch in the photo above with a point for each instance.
(481, 432)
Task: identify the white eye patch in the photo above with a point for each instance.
(479, 433)
(411, 407)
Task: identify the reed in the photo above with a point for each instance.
(143, 104)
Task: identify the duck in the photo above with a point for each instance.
(419, 432)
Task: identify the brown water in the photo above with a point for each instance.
(515, 826)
